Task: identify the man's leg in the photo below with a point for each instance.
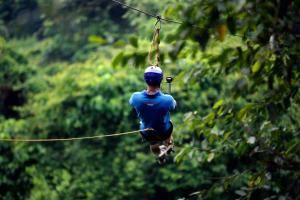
(169, 141)
(164, 147)
(155, 149)
(159, 151)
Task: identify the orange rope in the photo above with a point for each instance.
(72, 139)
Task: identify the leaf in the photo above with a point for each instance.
(209, 118)
(188, 116)
(227, 135)
(176, 49)
(226, 183)
(181, 155)
(2, 41)
(242, 148)
(133, 41)
(117, 59)
(218, 104)
(216, 131)
(222, 30)
(170, 38)
(293, 148)
(258, 180)
(210, 157)
(231, 24)
(240, 192)
(96, 39)
(119, 43)
(251, 140)
(202, 39)
(169, 12)
(256, 67)
(243, 112)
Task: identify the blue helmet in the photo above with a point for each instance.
(153, 75)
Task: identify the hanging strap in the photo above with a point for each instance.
(155, 43)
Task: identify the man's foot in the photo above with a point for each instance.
(170, 148)
(169, 144)
(163, 150)
(162, 160)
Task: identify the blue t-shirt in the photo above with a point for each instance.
(153, 110)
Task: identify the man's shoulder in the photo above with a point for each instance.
(137, 94)
(135, 97)
(169, 101)
(167, 97)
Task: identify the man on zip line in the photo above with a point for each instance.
(153, 108)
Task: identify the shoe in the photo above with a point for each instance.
(163, 150)
(170, 149)
(162, 160)
(169, 145)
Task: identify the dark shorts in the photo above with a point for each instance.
(153, 137)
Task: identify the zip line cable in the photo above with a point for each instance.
(133, 8)
(72, 139)
(158, 17)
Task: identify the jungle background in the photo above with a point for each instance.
(69, 67)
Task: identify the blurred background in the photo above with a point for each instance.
(69, 67)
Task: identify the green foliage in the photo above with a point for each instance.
(236, 85)
(88, 95)
(20, 17)
(133, 41)
(14, 73)
(261, 89)
(15, 181)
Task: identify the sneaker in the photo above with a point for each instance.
(163, 150)
(162, 160)
(170, 149)
(170, 146)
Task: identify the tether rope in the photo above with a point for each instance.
(72, 139)
(155, 42)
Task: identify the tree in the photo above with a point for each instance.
(255, 118)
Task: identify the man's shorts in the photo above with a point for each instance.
(153, 137)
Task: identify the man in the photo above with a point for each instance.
(153, 108)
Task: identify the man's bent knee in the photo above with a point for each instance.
(155, 149)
